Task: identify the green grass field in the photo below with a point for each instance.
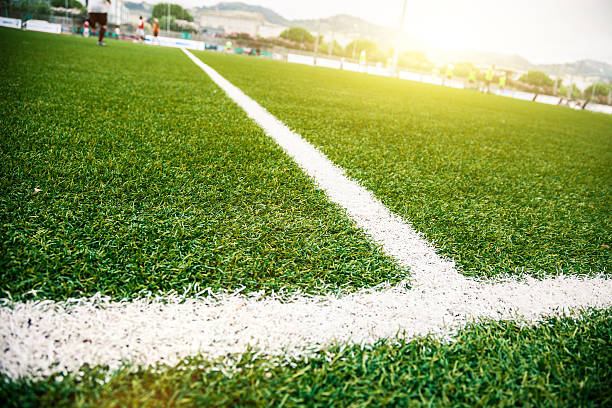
(151, 179)
(498, 185)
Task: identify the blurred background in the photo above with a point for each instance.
(524, 48)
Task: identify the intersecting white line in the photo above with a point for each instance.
(97, 330)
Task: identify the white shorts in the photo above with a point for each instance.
(140, 32)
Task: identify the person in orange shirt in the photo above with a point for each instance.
(155, 30)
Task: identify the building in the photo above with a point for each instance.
(268, 30)
(227, 21)
(118, 14)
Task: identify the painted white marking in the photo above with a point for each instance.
(148, 331)
(34, 335)
(396, 236)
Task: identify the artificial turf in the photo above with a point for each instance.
(561, 362)
(501, 186)
(125, 169)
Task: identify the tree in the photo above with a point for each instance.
(537, 78)
(161, 10)
(601, 89)
(414, 59)
(575, 93)
(298, 35)
(34, 9)
(163, 22)
(463, 69)
(336, 48)
(373, 53)
(71, 4)
(41, 8)
(176, 24)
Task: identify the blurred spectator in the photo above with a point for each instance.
(489, 78)
(140, 29)
(155, 30)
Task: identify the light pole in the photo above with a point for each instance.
(399, 37)
(316, 47)
(593, 94)
(168, 20)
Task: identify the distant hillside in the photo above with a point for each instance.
(340, 24)
(350, 26)
(583, 68)
(353, 27)
(587, 68)
(270, 15)
(143, 8)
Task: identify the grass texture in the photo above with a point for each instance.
(124, 169)
(560, 362)
(498, 185)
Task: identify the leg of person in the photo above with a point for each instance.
(102, 28)
(101, 35)
(92, 22)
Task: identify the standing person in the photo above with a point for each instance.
(86, 29)
(449, 72)
(489, 78)
(155, 30)
(362, 61)
(502, 81)
(472, 77)
(140, 29)
(98, 12)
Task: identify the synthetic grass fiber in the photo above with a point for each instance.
(126, 170)
(498, 185)
(559, 362)
(169, 184)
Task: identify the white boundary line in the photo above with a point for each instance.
(396, 236)
(97, 330)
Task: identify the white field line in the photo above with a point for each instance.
(396, 236)
(150, 331)
(33, 335)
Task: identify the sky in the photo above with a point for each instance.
(543, 31)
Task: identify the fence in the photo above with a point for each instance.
(172, 38)
(308, 58)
